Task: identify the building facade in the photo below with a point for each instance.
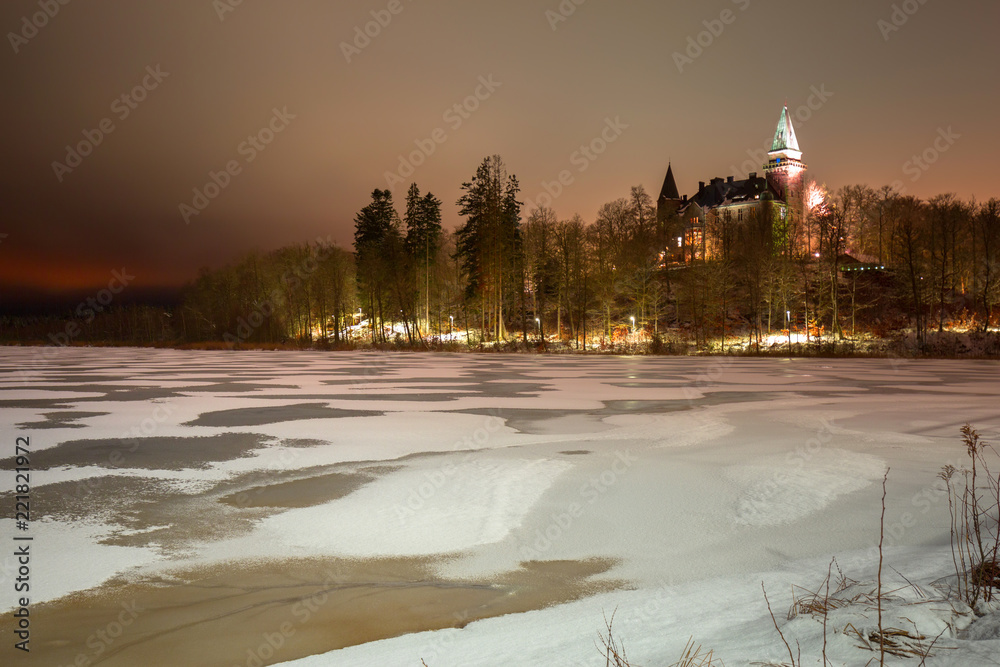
(726, 214)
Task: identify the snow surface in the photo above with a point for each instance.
(700, 478)
(480, 501)
(79, 562)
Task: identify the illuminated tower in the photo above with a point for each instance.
(785, 170)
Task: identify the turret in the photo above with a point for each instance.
(784, 169)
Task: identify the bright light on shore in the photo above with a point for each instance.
(815, 197)
(782, 339)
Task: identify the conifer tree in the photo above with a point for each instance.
(489, 243)
(377, 241)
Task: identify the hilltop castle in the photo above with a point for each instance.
(697, 225)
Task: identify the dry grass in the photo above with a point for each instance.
(791, 656)
(894, 642)
(974, 506)
(612, 650)
(697, 657)
(987, 575)
(611, 647)
(823, 600)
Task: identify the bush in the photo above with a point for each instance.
(974, 505)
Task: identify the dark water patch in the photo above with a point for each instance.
(109, 393)
(209, 615)
(104, 498)
(81, 378)
(513, 389)
(307, 492)
(62, 419)
(157, 453)
(231, 387)
(413, 398)
(576, 452)
(408, 380)
(679, 383)
(40, 403)
(536, 421)
(274, 414)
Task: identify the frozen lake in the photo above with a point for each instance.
(668, 488)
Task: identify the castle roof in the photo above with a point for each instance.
(784, 136)
(669, 190)
(723, 192)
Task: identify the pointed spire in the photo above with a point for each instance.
(669, 190)
(784, 137)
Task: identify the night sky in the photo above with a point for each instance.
(200, 78)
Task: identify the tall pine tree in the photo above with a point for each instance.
(423, 238)
(377, 240)
(489, 244)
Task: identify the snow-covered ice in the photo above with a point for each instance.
(699, 478)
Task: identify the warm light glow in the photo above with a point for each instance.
(815, 197)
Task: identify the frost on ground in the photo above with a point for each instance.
(699, 478)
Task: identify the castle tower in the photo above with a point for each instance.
(667, 205)
(669, 193)
(785, 170)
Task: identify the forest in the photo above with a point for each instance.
(858, 264)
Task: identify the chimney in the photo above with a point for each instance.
(729, 180)
(753, 175)
(701, 185)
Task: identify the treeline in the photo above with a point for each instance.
(941, 258)
(855, 261)
(298, 293)
(131, 324)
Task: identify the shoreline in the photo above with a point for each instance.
(845, 349)
(263, 613)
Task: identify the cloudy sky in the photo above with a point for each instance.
(117, 114)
